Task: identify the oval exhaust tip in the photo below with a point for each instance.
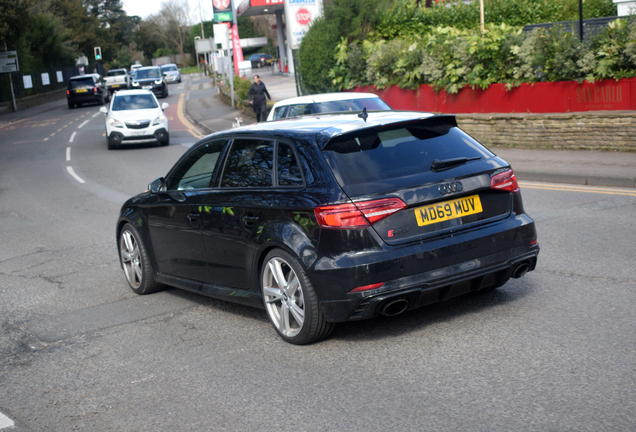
(521, 270)
(395, 307)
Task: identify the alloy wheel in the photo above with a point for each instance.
(131, 258)
(283, 295)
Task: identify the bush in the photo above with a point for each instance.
(241, 87)
(316, 56)
(349, 19)
(404, 19)
(450, 58)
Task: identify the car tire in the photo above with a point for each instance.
(111, 146)
(134, 260)
(166, 142)
(71, 105)
(259, 65)
(293, 310)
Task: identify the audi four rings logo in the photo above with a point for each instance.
(447, 188)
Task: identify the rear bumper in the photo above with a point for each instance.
(85, 98)
(426, 288)
(424, 272)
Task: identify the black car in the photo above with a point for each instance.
(150, 78)
(331, 218)
(259, 60)
(86, 89)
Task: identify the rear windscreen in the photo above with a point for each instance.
(82, 82)
(116, 72)
(350, 105)
(390, 153)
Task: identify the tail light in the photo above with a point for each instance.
(94, 89)
(68, 92)
(357, 215)
(506, 181)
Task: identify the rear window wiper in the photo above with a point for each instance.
(441, 165)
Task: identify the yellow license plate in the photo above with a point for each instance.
(448, 210)
(115, 85)
(80, 91)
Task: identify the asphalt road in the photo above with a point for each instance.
(79, 350)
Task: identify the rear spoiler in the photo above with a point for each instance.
(421, 128)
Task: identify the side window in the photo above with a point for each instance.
(288, 169)
(279, 112)
(249, 164)
(196, 171)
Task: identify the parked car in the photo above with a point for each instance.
(135, 117)
(117, 79)
(171, 72)
(326, 103)
(331, 218)
(150, 78)
(85, 89)
(261, 59)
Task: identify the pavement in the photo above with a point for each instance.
(205, 109)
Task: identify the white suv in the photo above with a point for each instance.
(135, 117)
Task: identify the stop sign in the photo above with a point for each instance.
(303, 16)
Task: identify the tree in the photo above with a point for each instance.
(13, 15)
(173, 22)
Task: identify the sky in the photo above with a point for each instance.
(144, 8)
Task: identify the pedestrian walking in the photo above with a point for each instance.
(258, 91)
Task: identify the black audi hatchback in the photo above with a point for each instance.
(331, 218)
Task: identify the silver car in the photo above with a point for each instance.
(171, 72)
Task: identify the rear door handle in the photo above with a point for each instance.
(251, 219)
(192, 216)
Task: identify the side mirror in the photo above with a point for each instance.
(158, 186)
(165, 105)
(103, 110)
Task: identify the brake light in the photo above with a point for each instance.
(367, 287)
(506, 181)
(94, 89)
(357, 215)
(68, 92)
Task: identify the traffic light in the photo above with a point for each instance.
(98, 53)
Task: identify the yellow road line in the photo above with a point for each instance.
(571, 188)
(191, 128)
(12, 123)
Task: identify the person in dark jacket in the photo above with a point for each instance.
(259, 103)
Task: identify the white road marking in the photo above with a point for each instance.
(96, 114)
(5, 421)
(75, 176)
(68, 154)
(80, 126)
(72, 137)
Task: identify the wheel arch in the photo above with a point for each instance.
(291, 238)
(137, 220)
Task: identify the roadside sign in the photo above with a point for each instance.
(223, 16)
(9, 61)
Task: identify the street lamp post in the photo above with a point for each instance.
(581, 19)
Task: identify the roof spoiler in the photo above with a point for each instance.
(421, 128)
